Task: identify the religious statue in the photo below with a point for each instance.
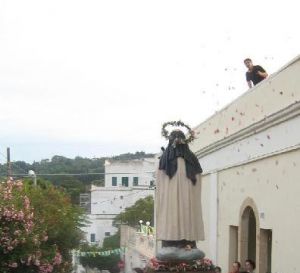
(179, 221)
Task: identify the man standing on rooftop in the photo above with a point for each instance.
(255, 73)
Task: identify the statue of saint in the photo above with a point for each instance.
(179, 221)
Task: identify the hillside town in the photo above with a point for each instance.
(248, 152)
(149, 136)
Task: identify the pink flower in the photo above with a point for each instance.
(29, 259)
(15, 242)
(17, 232)
(13, 265)
(10, 248)
(20, 215)
(19, 184)
(57, 259)
(26, 203)
(46, 268)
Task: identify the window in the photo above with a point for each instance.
(125, 181)
(107, 233)
(135, 181)
(114, 181)
(152, 183)
(93, 237)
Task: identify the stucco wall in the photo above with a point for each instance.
(274, 184)
(112, 201)
(275, 93)
(207, 214)
(251, 150)
(109, 201)
(143, 169)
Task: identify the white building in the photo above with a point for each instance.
(139, 248)
(250, 154)
(126, 181)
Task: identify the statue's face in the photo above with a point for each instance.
(177, 134)
(177, 137)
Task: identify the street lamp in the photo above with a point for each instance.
(141, 222)
(32, 174)
(148, 224)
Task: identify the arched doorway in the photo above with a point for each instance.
(249, 230)
(248, 245)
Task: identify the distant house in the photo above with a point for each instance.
(250, 154)
(126, 181)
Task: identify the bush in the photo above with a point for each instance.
(23, 237)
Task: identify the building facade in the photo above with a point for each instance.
(126, 181)
(250, 154)
(138, 247)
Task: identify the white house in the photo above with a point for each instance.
(250, 154)
(126, 181)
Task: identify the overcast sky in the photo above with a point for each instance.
(95, 78)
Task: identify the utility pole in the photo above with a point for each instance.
(9, 171)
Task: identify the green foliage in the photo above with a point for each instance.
(101, 262)
(98, 182)
(129, 156)
(23, 234)
(60, 218)
(143, 209)
(112, 242)
(79, 166)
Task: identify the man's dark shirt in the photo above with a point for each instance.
(253, 76)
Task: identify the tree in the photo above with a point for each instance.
(73, 184)
(143, 209)
(101, 262)
(24, 245)
(112, 242)
(61, 219)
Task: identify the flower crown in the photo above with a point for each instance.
(178, 123)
